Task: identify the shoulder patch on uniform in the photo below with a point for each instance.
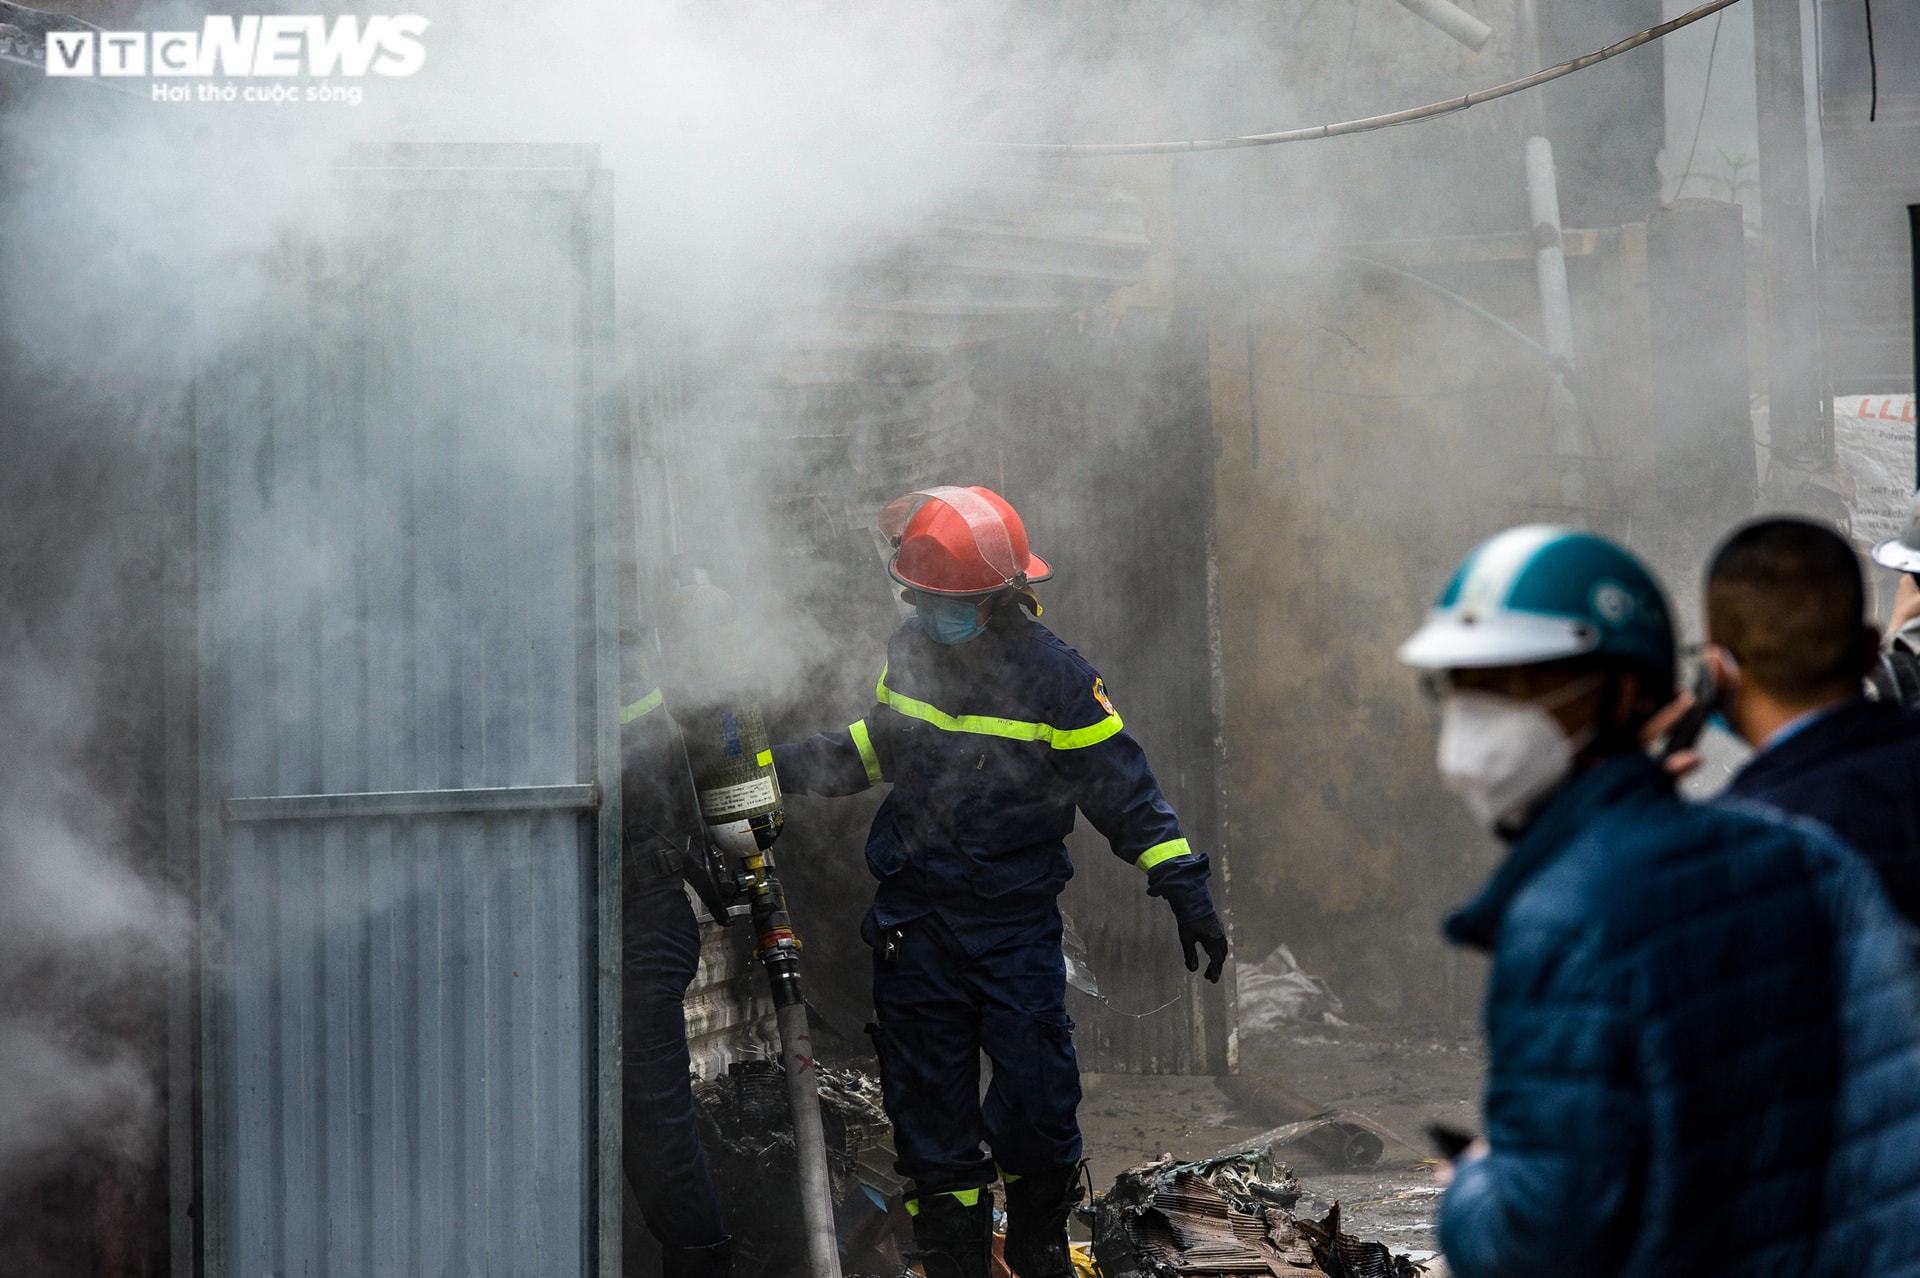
(1100, 695)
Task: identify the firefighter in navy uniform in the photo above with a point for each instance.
(991, 731)
(665, 1163)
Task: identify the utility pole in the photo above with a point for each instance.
(1800, 438)
(1570, 437)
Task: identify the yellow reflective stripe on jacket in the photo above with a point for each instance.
(863, 742)
(988, 726)
(1162, 852)
(645, 705)
(965, 1197)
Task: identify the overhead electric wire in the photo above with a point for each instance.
(1873, 68)
(1373, 123)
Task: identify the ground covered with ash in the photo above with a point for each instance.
(1143, 1132)
(1399, 1078)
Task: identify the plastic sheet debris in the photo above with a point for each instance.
(1873, 443)
(1080, 973)
(1275, 992)
(1339, 1137)
(1229, 1215)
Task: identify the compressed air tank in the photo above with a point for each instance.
(733, 773)
(710, 666)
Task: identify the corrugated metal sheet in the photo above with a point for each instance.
(406, 601)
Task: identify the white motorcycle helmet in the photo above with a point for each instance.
(1902, 554)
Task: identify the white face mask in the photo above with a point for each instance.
(1502, 755)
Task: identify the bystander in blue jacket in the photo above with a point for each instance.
(1706, 1054)
(1703, 1021)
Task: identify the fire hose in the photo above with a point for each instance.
(731, 764)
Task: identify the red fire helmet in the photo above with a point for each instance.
(959, 541)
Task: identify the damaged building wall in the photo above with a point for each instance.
(1369, 431)
(1345, 403)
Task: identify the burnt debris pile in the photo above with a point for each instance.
(1225, 1216)
(1221, 1217)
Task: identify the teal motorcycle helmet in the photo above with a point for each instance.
(1541, 593)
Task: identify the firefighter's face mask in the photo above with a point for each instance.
(947, 620)
(1502, 755)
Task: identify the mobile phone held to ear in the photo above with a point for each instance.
(1706, 699)
(1451, 1142)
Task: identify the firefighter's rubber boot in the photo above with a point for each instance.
(713, 1261)
(1037, 1210)
(953, 1239)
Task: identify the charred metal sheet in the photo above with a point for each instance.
(1228, 1215)
(1344, 1256)
(873, 384)
(1169, 1219)
(1012, 250)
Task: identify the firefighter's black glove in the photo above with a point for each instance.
(1206, 933)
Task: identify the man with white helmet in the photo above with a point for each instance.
(1683, 999)
(1897, 677)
